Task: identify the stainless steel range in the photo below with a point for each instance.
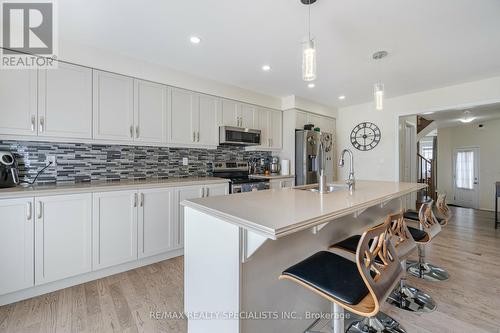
(238, 174)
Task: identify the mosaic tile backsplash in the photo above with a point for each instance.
(78, 162)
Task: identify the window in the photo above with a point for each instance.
(465, 170)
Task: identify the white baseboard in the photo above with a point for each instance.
(75, 280)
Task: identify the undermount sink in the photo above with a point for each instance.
(329, 188)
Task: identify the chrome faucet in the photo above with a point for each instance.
(350, 181)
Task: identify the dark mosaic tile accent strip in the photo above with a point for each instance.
(78, 162)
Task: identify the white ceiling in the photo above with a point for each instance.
(431, 43)
(450, 118)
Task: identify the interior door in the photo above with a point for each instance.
(466, 177)
(65, 102)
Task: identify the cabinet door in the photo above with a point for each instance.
(18, 107)
(16, 245)
(314, 119)
(230, 113)
(183, 193)
(263, 123)
(63, 239)
(300, 120)
(289, 182)
(208, 128)
(246, 113)
(113, 98)
(216, 190)
(150, 112)
(114, 228)
(65, 102)
(276, 121)
(183, 105)
(156, 213)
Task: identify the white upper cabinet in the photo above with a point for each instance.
(18, 102)
(262, 122)
(230, 115)
(113, 110)
(65, 102)
(181, 120)
(300, 120)
(63, 236)
(114, 228)
(16, 245)
(276, 129)
(246, 115)
(156, 228)
(208, 129)
(150, 112)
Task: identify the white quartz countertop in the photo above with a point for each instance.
(271, 177)
(39, 190)
(280, 212)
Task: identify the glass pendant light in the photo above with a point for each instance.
(378, 92)
(378, 88)
(309, 51)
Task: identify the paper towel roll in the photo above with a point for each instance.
(285, 167)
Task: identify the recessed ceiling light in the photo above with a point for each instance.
(342, 97)
(266, 68)
(311, 85)
(195, 39)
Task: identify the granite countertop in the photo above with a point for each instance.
(280, 212)
(270, 177)
(102, 186)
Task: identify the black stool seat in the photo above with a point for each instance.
(331, 274)
(411, 215)
(417, 234)
(350, 244)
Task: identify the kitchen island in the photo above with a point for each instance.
(237, 246)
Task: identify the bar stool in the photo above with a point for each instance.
(428, 229)
(404, 296)
(359, 286)
(442, 211)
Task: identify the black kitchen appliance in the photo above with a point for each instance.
(9, 170)
(238, 175)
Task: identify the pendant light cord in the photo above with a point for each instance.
(309, 20)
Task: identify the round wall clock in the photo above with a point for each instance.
(365, 136)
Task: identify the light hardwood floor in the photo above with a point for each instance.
(468, 302)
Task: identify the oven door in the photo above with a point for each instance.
(239, 136)
(250, 187)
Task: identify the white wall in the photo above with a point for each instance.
(487, 139)
(382, 163)
(113, 62)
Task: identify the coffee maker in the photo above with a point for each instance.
(9, 170)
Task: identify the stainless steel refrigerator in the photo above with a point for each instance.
(312, 151)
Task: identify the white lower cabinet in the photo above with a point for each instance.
(16, 245)
(281, 183)
(193, 192)
(114, 228)
(156, 214)
(62, 236)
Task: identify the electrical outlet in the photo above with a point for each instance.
(52, 159)
(185, 161)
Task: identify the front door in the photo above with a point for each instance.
(466, 177)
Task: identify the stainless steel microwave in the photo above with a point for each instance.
(239, 136)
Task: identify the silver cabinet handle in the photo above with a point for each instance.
(42, 124)
(198, 136)
(29, 213)
(40, 210)
(137, 132)
(135, 199)
(202, 192)
(142, 200)
(194, 136)
(33, 123)
(207, 189)
(131, 131)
